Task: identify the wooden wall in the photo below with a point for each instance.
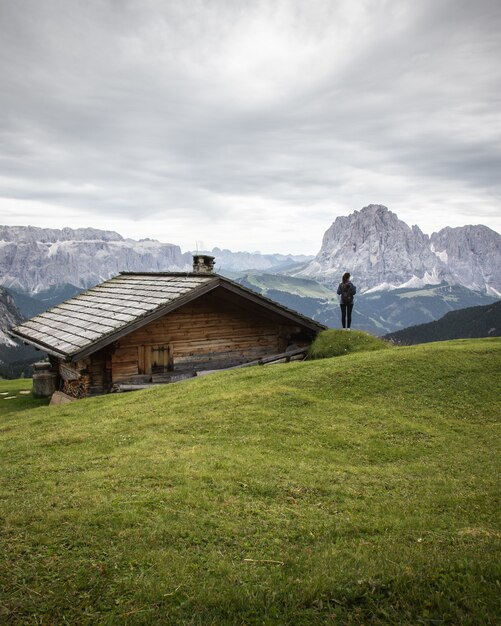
(216, 330)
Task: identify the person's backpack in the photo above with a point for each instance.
(346, 293)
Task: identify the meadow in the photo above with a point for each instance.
(361, 489)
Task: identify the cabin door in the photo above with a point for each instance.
(155, 359)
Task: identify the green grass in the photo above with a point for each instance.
(333, 342)
(16, 395)
(364, 490)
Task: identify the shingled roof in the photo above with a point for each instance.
(103, 314)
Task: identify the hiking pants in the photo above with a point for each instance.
(346, 308)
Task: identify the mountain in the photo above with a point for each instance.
(473, 256)
(234, 262)
(399, 308)
(9, 317)
(382, 252)
(470, 323)
(34, 259)
(31, 304)
(15, 358)
(377, 312)
(300, 294)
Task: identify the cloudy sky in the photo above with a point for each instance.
(248, 124)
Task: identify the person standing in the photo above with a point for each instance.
(347, 291)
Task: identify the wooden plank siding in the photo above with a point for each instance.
(210, 333)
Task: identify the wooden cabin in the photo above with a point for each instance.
(146, 328)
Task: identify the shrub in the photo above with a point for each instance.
(340, 342)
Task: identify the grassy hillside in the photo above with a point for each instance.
(353, 490)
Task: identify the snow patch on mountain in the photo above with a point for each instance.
(441, 255)
(381, 287)
(492, 291)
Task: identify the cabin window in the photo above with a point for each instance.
(155, 359)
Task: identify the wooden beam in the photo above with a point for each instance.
(283, 356)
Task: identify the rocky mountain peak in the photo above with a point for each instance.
(376, 247)
(383, 252)
(376, 211)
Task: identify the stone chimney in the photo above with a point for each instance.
(203, 264)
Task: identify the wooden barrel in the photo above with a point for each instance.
(44, 380)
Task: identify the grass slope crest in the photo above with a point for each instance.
(330, 343)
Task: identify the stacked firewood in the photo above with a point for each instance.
(77, 388)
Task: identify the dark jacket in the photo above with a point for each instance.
(353, 290)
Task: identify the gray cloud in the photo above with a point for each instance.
(250, 116)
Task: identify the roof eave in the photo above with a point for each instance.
(37, 344)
